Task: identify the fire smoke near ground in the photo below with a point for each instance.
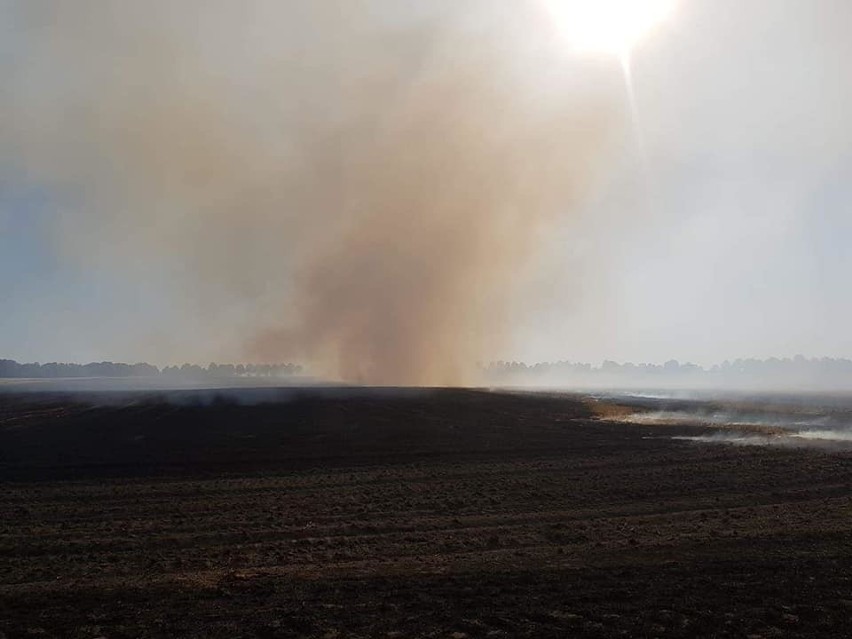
(312, 181)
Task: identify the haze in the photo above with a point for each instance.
(392, 192)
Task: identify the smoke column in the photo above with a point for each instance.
(338, 183)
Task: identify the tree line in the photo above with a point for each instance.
(789, 370)
(11, 368)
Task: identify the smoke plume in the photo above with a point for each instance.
(352, 185)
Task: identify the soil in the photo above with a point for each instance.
(399, 513)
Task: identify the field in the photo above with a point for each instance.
(400, 513)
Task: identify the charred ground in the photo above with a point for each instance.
(397, 513)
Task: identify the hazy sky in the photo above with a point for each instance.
(720, 229)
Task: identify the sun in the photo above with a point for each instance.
(607, 26)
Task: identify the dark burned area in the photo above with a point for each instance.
(446, 513)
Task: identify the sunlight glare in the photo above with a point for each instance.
(607, 26)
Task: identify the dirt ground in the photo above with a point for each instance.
(445, 513)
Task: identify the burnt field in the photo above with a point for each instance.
(382, 513)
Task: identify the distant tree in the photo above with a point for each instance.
(142, 369)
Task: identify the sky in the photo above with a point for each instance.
(713, 223)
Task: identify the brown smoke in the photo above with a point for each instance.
(359, 196)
